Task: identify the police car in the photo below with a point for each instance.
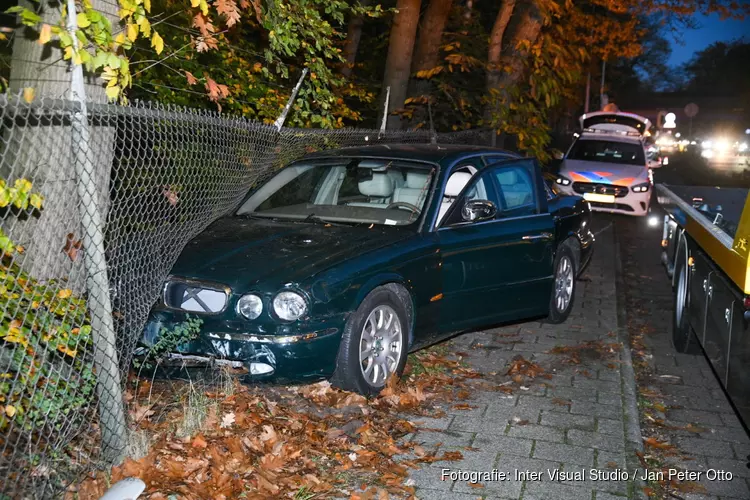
(609, 163)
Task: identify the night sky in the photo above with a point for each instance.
(712, 29)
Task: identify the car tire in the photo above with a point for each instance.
(366, 359)
(683, 337)
(563, 285)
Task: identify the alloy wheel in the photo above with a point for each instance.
(563, 283)
(380, 345)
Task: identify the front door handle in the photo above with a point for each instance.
(543, 236)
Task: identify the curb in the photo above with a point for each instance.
(631, 415)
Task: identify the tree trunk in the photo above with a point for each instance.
(496, 42)
(528, 28)
(427, 51)
(427, 48)
(494, 70)
(353, 35)
(398, 62)
(43, 153)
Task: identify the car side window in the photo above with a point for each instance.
(479, 187)
(515, 186)
(459, 177)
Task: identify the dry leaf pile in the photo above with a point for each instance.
(591, 350)
(312, 441)
(522, 370)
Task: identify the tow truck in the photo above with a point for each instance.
(706, 251)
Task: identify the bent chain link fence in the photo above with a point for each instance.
(95, 211)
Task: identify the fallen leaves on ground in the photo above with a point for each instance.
(654, 443)
(521, 368)
(591, 350)
(308, 441)
(463, 406)
(645, 325)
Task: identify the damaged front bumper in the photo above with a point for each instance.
(307, 355)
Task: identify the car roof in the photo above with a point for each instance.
(435, 153)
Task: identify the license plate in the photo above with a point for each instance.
(601, 198)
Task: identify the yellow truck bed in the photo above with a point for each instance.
(723, 234)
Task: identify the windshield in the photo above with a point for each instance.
(350, 190)
(625, 153)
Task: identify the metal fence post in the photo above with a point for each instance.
(108, 387)
(282, 117)
(385, 111)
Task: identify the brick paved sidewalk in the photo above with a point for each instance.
(583, 418)
(685, 384)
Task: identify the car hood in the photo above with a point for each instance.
(603, 172)
(242, 252)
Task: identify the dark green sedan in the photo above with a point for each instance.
(346, 260)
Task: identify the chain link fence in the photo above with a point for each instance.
(96, 208)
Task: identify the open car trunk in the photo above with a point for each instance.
(627, 123)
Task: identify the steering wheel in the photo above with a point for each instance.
(403, 204)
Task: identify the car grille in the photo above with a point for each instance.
(194, 296)
(615, 206)
(591, 187)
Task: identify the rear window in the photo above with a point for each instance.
(608, 151)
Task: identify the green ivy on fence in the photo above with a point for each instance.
(45, 338)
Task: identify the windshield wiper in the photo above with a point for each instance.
(317, 220)
(253, 215)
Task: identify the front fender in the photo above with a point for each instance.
(375, 281)
(382, 279)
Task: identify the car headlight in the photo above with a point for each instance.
(289, 306)
(641, 188)
(250, 306)
(562, 180)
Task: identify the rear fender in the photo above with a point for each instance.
(572, 227)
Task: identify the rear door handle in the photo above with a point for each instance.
(543, 236)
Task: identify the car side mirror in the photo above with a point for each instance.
(478, 210)
(558, 155)
(654, 164)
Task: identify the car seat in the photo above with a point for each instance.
(397, 176)
(456, 183)
(413, 191)
(516, 189)
(378, 189)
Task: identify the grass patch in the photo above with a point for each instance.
(304, 493)
(197, 409)
(417, 368)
